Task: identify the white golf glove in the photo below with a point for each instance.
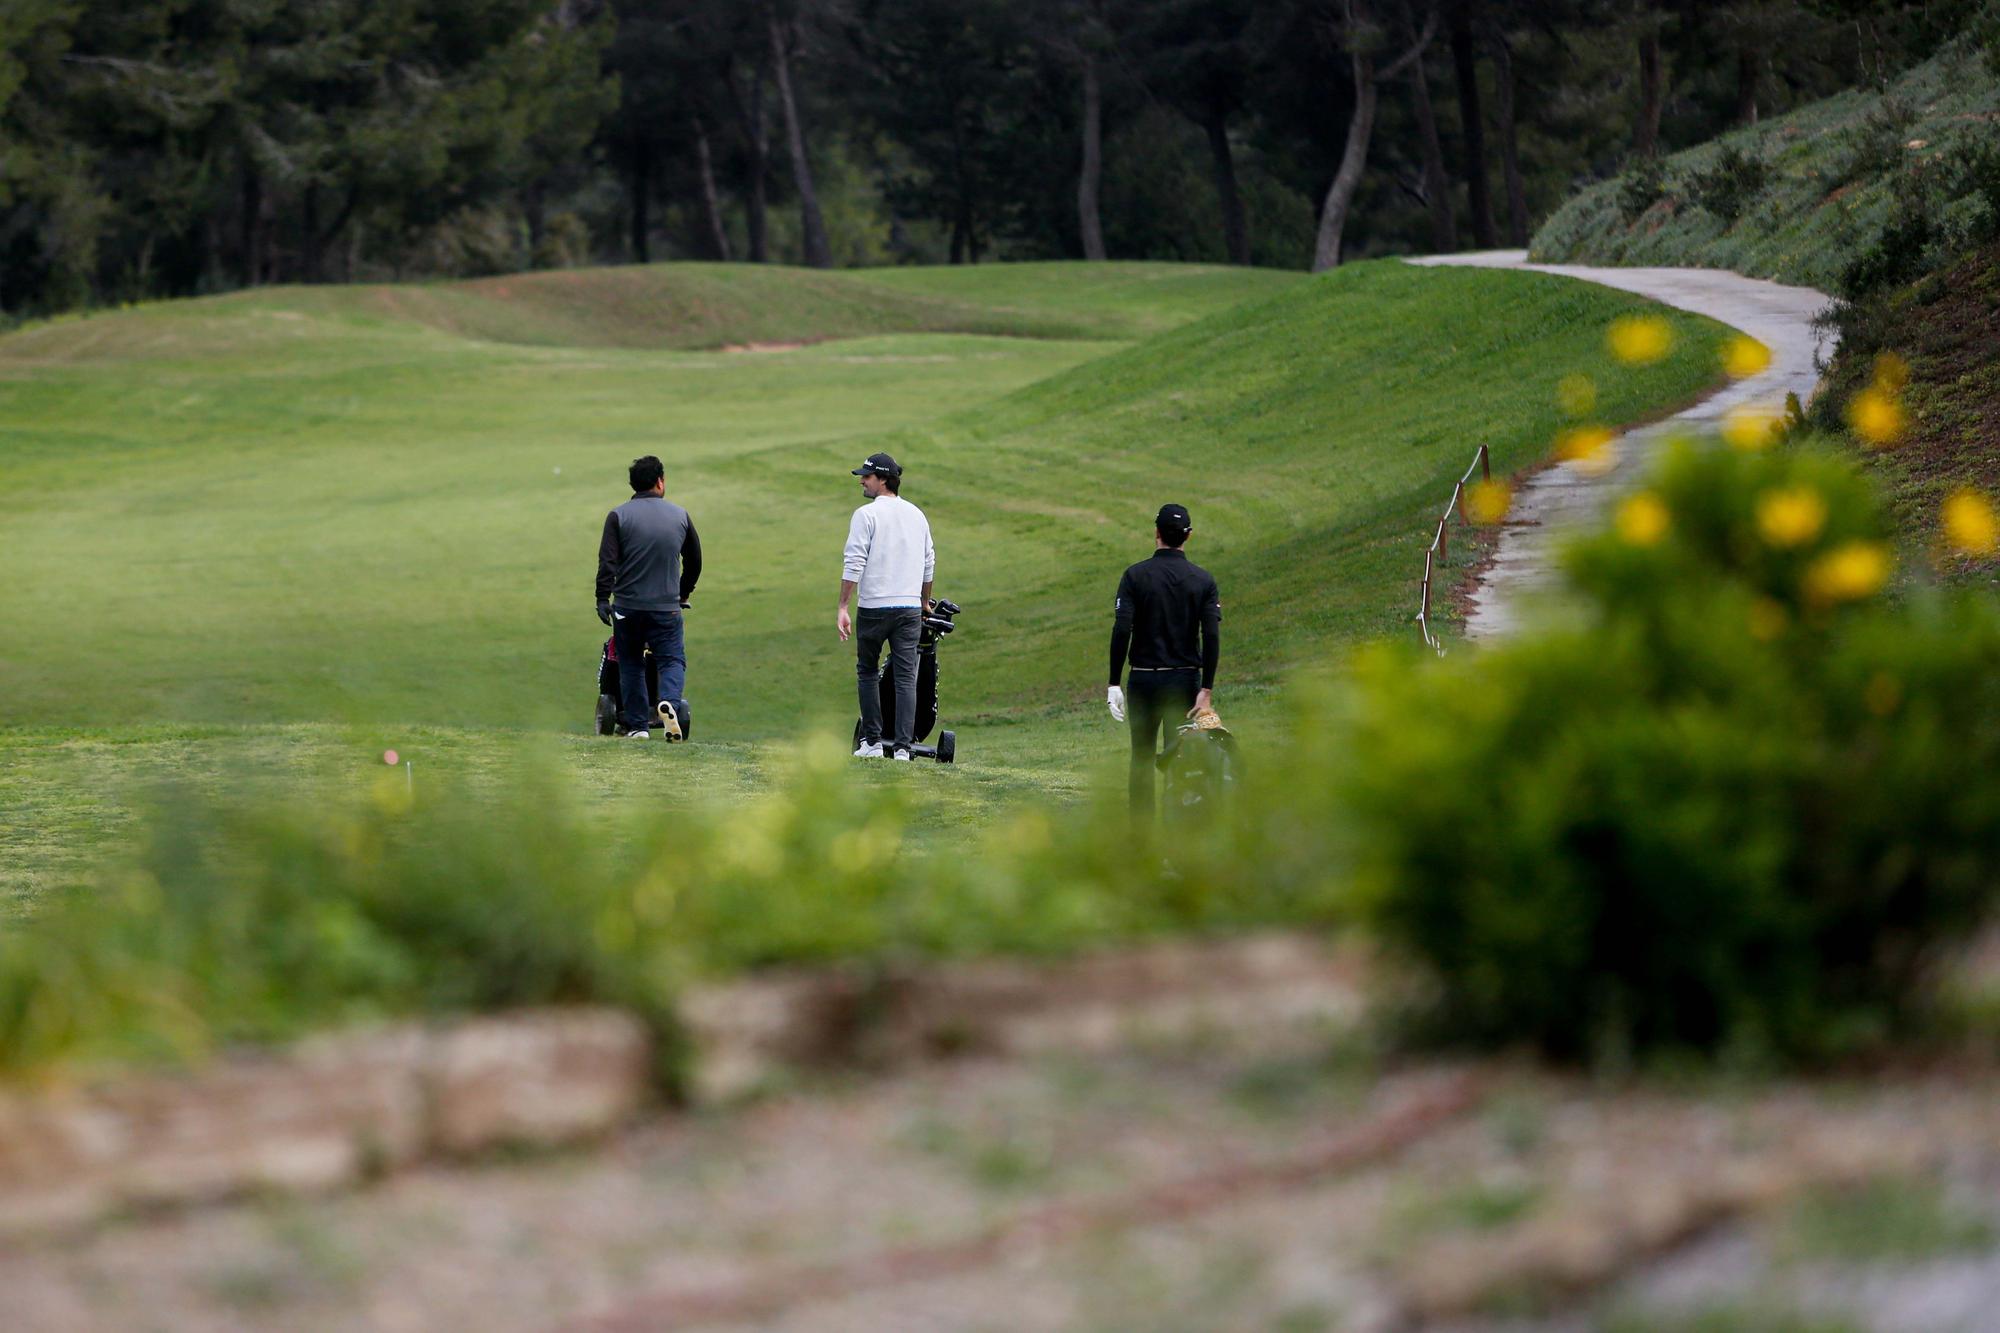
(1114, 699)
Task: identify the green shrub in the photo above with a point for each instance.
(1738, 808)
(1731, 183)
(1643, 184)
(233, 924)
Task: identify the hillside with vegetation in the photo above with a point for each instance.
(1864, 189)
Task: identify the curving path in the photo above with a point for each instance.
(1557, 499)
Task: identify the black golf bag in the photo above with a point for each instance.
(1201, 770)
(937, 623)
(610, 693)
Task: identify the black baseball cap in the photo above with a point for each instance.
(880, 464)
(1174, 518)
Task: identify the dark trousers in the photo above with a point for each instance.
(899, 627)
(1155, 703)
(634, 632)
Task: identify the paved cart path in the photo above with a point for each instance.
(1552, 503)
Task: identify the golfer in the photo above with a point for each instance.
(888, 562)
(1169, 617)
(647, 564)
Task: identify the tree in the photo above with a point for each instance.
(1202, 56)
(946, 80)
(1437, 185)
(1361, 35)
(782, 24)
(1464, 58)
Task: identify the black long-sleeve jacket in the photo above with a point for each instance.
(649, 557)
(1169, 615)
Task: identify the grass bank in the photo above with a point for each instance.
(260, 539)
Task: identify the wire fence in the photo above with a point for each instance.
(1440, 541)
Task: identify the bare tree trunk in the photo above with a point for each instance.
(1360, 129)
(309, 234)
(253, 228)
(1747, 62)
(642, 198)
(1510, 147)
(1646, 136)
(750, 114)
(1235, 227)
(1465, 64)
(1353, 161)
(1088, 222)
(718, 233)
(534, 207)
(818, 254)
(1437, 185)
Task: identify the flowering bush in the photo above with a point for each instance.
(1741, 805)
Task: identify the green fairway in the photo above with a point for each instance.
(264, 536)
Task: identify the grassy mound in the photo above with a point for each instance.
(345, 533)
(1801, 197)
(678, 306)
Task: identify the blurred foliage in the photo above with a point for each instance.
(1738, 809)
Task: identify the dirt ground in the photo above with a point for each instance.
(1198, 1184)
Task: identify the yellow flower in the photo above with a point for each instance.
(1751, 428)
(1970, 524)
(1743, 356)
(1642, 519)
(1487, 502)
(1848, 572)
(1640, 340)
(1576, 395)
(1767, 619)
(1877, 417)
(1790, 517)
(1891, 372)
(1589, 447)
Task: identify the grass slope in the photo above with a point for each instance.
(1837, 170)
(265, 536)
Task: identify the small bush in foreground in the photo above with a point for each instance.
(1740, 808)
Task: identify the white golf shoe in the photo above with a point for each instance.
(868, 750)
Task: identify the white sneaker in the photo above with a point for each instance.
(670, 721)
(638, 735)
(868, 750)
(903, 755)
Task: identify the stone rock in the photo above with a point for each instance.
(539, 1078)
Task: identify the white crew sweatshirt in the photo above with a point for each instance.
(889, 557)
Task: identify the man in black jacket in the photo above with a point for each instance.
(1169, 616)
(647, 563)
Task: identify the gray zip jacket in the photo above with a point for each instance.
(649, 556)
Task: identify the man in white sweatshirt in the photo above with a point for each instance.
(889, 561)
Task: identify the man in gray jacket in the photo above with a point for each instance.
(647, 563)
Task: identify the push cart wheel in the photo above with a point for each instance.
(947, 746)
(607, 716)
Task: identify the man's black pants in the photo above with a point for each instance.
(899, 627)
(1155, 703)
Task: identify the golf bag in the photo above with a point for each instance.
(1201, 770)
(936, 624)
(610, 692)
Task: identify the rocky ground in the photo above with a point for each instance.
(1287, 1181)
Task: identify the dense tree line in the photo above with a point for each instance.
(169, 147)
